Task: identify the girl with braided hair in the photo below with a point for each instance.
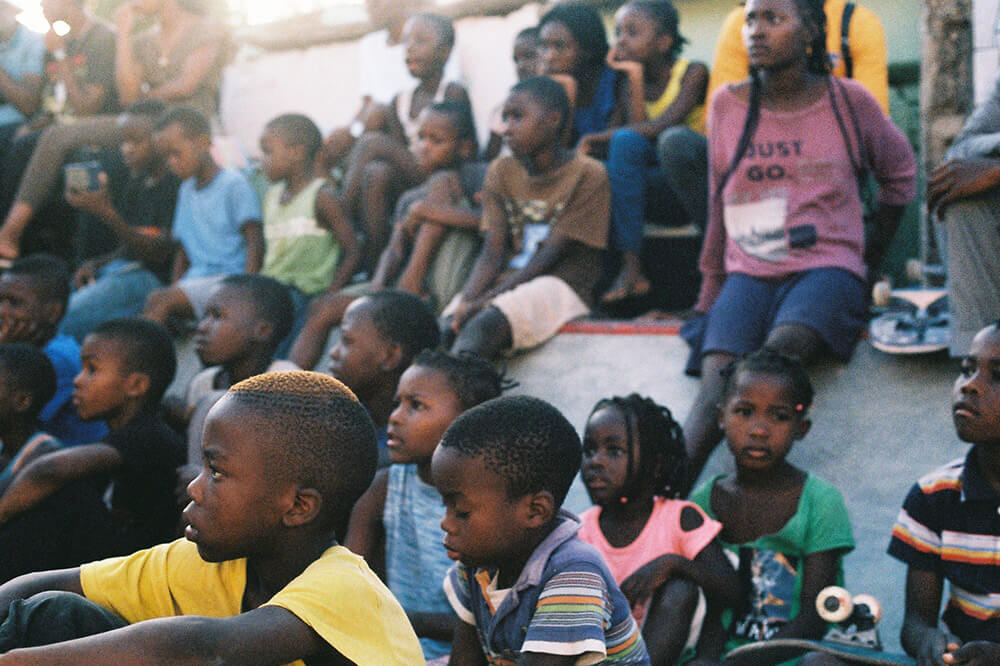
(786, 257)
(660, 550)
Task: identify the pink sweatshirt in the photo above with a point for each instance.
(792, 204)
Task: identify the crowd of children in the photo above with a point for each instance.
(394, 507)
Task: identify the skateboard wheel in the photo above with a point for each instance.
(868, 605)
(914, 270)
(834, 604)
(881, 293)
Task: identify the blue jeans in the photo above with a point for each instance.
(666, 183)
(120, 290)
(54, 617)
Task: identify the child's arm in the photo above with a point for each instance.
(976, 653)
(465, 648)
(331, 217)
(22, 587)
(54, 471)
(691, 94)
(366, 531)
(266, 635)
(392, 126)
(181, 264)
(710, 570)
(922, 636)
(253, 236)
(712, 639)
(545, 257)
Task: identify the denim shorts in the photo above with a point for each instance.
(832, 302)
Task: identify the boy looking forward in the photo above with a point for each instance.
(527, 590)
(551, 208)
(260, 578)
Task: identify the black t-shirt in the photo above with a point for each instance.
(141, 203)
(91, 56)
(142, 497)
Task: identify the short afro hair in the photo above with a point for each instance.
(298, 130)
(441, 25)
(459, 115)
(767, 361)
(272, 300)
(192, 123)
(320, 436)
(524, 440)
(473, 379)
(549, 93)
(404, 319)
(28, 369)
(147, 348)
(48, 274)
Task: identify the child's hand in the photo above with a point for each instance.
(96, 202)
(977, 653)
(933, 648)
(465, 311)
(410, 224)
(645, 580)
(631, 67)
(336, 146)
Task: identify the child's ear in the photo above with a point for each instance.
(540, 508)
(136, 384)
(263, 330)
(52, 312)
(21, 401)
(305, 509)
(804, 425)
(467, 150)
(664, 43)
(393, 357)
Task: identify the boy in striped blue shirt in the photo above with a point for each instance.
(526, 589)
(949, 528)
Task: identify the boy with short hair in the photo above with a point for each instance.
(123, 243)
(286, 455)
(27, 383)
(33, 295)
(127, 365)
(216, 221)
(947, 529)
(545, 216)
(380, 335)
(245, 320)
(525, 585)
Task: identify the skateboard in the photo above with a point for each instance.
(854, 639)
(912, 321)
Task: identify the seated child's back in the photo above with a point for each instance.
(524, 582)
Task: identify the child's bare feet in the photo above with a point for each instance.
(630, 283)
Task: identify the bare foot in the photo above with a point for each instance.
(628, 284)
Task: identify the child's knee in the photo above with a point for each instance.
(678, 599)
(377, 175)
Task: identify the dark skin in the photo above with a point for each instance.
(975, 405)
(960, 179)
(291, 539)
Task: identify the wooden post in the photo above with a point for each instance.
(946, 78)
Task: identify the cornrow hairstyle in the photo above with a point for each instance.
(297, 129)
(441, 25)
(767, 361)
(584, 23)
(147, 348)
(662, 455)
(473, 379)
(813, 16)
(525, 441)
(316, 434)
(665, 15)
(27, 368)
(459, 114)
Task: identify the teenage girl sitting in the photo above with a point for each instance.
(786, 255)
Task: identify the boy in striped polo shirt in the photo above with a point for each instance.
(524, 584)
(949, 527)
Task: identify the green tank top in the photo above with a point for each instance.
(299, 253)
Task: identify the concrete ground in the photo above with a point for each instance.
(879, 423)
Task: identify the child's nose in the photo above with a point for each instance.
(194, 488)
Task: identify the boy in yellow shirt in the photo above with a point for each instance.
(260, 577)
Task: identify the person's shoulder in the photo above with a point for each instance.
(149, 429)
(817, 485)
(591, 168)
(945, 479)
(229, 177)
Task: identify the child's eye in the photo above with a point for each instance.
(967, 368)
(461, 515)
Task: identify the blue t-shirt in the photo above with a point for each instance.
(22, 54)
(208, 222)
(59, 417)
(414, 553)
(564, 602)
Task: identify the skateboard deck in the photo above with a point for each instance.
(914, 321)
(760, 652)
